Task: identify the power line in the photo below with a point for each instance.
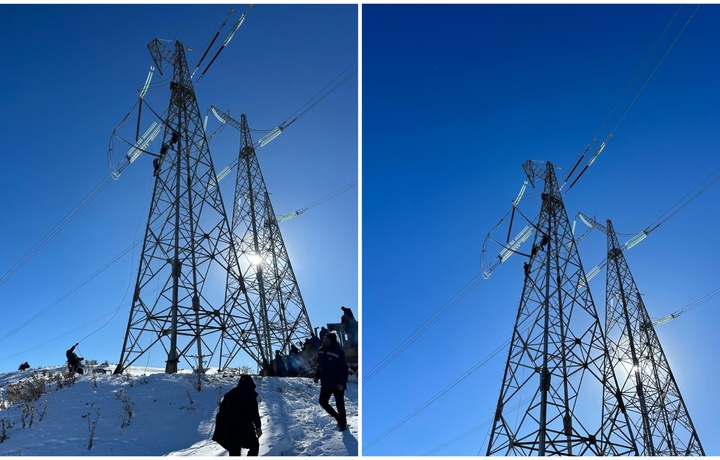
(135, 244)
(500, 348)
(632, 103)
(68, 294)
(692, 305)
(477, 278)
(116, 170)
(318, 202)
(424, 327)
(437, 396)
(474, 430)
(72, 214)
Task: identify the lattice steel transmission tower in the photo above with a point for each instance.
(660, 419)
(277, 317)
(555, 373)
(180, 300)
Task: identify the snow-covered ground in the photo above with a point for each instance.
(148, 412)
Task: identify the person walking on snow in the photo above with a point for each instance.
(332, 371)
(237, 424)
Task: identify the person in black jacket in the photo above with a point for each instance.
(332, 371)
(73, 360)
(237, 424)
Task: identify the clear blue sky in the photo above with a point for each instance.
(69, 76)
(455, 99)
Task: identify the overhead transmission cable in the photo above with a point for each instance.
(52, 233)
(141, 143)
(500, 348)
(698, 190)
(420, 330)
(429, 322)
(523, 236)
(437, 396)
(486, 424)
(622, 96)
(229, 37)
(632, 103)
(318, 202)
(656, 68)
(68, 294)
(135, 244)
(212, 42)
(136, 148)
(338, 81)
(677, 207)
(56, 338)
(327, 90)
(692, 305)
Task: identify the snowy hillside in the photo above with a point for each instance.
(161, 414)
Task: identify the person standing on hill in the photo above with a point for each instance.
(332, 371)
(237, 424)
(350, 326)
(73, 360)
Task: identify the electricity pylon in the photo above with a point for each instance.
(180, 300)
(661, 421)
(277, 317)
(555, 370)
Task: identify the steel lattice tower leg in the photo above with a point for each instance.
(263, 263)
(652, 398)
(555, 372)
(180, 301)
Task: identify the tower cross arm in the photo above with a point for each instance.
(226, 118)
(591, 222)
(160, 53)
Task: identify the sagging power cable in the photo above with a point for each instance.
(212, 41)
(337, 82)
(136, 244)
(53, 232)
(318, 202)
(437, 396)
(420, 330)
(632, 103)
(114, 174)
(667, 318)
(69, 293)
(486, 424)
(225, 43)
(691, 196)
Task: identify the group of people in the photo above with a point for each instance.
(303, 362)
(297, 362)
(238, 425)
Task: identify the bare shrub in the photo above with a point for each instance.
(4, 426)
(92, 424)
(27, 390)
(127, 407)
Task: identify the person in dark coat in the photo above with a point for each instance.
(237, 424)
(332, 371)
(281, 369)
(73, 360)
(347, 314)
(350, 326)
(294, 361)
(315, 340)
